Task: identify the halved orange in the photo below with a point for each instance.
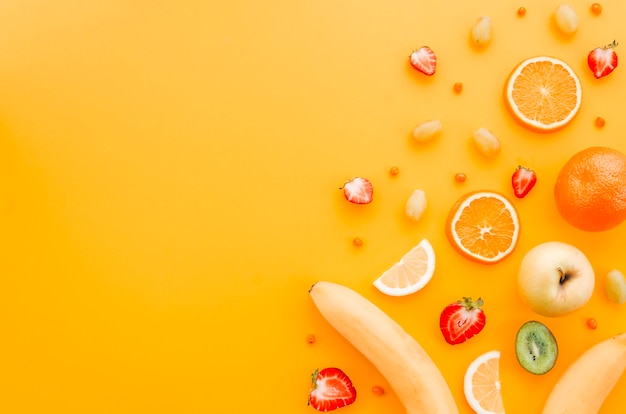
(411, 273)
(483, 226)
(543, 93)
(482, 384)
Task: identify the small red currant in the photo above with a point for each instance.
(600, 122)
(596, 8)
(378, 390)
(592, 323)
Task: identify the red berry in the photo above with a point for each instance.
(523, 180)
(310, 339)
(461, 320)
(331, 389)
(521, 12)
(378, 390)
(394, 170)
(424, 60)
(357, 242)
(596, 8)
(460, 178)
(600, 122)
(603, 60)
(458, 87)
(592, 323)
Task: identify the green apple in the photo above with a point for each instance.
(555, 279)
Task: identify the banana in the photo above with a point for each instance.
(412, 374)
(587, 382)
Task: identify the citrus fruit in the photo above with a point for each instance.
(411, 273)
(483, 226)
(590, 190)
(543, 93)
(482, 384)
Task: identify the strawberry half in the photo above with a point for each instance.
(461, 320)
(424, 60)
(603, 60)
(523, 181)
(331, 389)
(358, 190)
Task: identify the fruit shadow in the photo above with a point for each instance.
(419, 77)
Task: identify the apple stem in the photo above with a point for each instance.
(564, 276)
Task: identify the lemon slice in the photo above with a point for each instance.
(482, 384)
(411, 273)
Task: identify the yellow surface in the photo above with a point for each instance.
(169, 192)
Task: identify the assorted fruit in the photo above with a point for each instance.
(602, 60)
(615, 286)
(411, 273)
(483, 226)
(481, 31)
(331, 389)
(427, 130)
(596, 8)
(424, 60)
(415, 205)
(486, 142)
(536, 348)
(460, 177)
(358, 190)
(600, 122)
(378, 390)
(590, 189)
(481, 384)
(416, 379)
(461, 320)
(586, 383)
(554, 278)
(523, 180)
(566, 19)
(592, 323)
(543, 93)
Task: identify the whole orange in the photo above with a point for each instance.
(590, 190)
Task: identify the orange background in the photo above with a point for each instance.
(169, 192)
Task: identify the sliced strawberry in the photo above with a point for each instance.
(358, 190)
(523, 181)
(602, 60)
(331, 389)
(424, 60)
(461, 320)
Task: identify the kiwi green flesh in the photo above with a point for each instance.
(536, 348)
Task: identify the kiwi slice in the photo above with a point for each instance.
(536, 348)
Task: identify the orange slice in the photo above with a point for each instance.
(483, 226)
(482, 384)
(543, 93)
(411, 273)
